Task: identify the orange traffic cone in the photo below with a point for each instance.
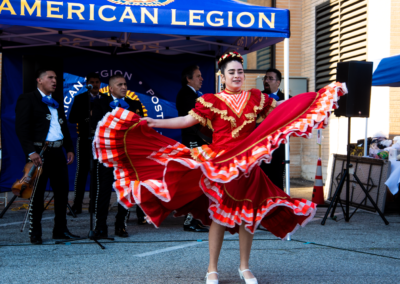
(318, 192)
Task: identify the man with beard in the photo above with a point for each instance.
(276, 169)
(80, 114)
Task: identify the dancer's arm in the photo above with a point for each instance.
(172, 123)
(280, 102)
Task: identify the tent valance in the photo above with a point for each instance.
(175, 25)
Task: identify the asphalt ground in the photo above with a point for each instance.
(364, 250)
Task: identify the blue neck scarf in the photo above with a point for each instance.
(119, 103)
(48, 100)
(275, 97)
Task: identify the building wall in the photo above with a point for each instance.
(296, 28)
(385, 102)
(383, 40)
(309, 148)
(295, 59)
(252, 57)
(394, 98)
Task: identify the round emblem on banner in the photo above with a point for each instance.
(142, 2)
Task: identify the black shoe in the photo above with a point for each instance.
(192, 225)
(121, 232)
(101, 233)
(64, 235)
(141, 221)
(195, 228)
(76, 210)
(36, 240)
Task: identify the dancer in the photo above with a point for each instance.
(220, 184)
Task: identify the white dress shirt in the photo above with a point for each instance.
(55, 132)
(95, 96)
(194, 90)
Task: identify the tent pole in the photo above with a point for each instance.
(286, 87)
(366, 137)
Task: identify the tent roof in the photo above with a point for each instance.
(132, 26)
(386, 72)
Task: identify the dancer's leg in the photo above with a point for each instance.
(216, 237)
(245, 242)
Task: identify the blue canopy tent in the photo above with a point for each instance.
(205, 28)
(386, 72)
(168, 26)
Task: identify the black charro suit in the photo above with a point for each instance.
(32, 124)
(276, 169)
(80, 114)
(105, 176)
(102, 105)
(192, 136)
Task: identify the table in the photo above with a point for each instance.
(394, 178)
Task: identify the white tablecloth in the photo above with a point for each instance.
(394, 179)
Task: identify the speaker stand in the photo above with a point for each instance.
(346, 177)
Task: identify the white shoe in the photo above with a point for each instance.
(248, 281)
(211, 281)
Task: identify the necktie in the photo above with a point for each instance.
(48, 100)
(275, 97)
(119, 103)
(199, 94)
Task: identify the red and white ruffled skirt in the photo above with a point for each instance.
(161, 176)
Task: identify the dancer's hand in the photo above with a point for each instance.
(280, 102)
(150, 122)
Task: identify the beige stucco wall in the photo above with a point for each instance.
(252, 57)
(309, 147)
(394, 98)
(385, 103)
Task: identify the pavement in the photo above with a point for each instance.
(364, 250)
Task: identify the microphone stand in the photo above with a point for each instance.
(92, 189)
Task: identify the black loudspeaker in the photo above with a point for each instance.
(358, 78)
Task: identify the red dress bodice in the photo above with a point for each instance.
(232, 117)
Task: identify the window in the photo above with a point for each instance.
(340, 35)
(264, 58)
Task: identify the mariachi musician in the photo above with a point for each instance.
(40, 118)
(192, 137)
(105, 176)
(80, 114)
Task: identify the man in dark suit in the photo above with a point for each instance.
(80, 114)
(105, 176)
(276, 169)
(40, 119)
(192, 137)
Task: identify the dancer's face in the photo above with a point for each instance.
(233, 76)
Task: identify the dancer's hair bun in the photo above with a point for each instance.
(228, 57)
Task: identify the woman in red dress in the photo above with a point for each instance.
(220, 184)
